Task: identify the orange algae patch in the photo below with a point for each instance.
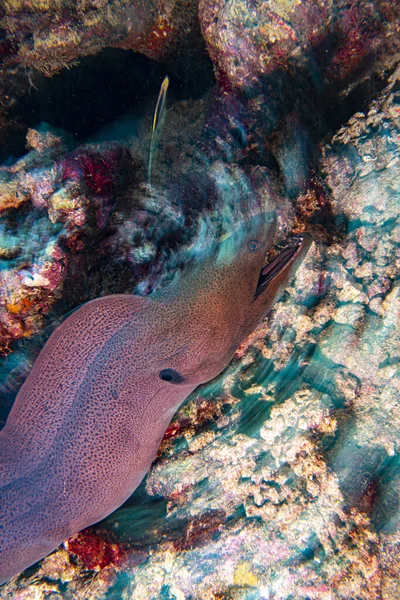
(17, 308)
(10, 197)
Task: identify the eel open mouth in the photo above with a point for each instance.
(275, 266)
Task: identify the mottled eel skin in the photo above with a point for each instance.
(89, 419)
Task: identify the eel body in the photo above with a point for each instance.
(89, 419)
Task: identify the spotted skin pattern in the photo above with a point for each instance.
(88, 421)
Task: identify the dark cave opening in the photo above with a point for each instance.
(97, 91)
(100, 88)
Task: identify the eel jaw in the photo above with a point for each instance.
(298, 246)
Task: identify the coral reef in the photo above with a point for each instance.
(285, 69)
(61, 202)
(250, 40)
(51, 35)
(280, 479)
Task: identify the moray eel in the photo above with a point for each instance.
(88, 421)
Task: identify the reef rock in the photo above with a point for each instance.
(329, 41)
(54, 203)
(286, 68)
(50, 35)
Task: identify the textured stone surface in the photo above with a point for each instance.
(54, 204)
(249, 40)
(286, 68)
(50, 35)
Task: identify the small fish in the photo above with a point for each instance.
(158, 122)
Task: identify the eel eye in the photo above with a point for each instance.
(171, 376)
(253, 245)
